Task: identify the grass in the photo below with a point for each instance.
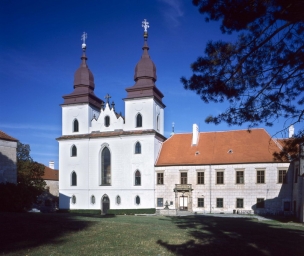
(83, 234)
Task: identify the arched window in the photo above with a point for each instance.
(157, 122)
(92, 199)
(139, 120)
(107, 121)
(137, 200)
(118, 200)
(74, 151)
(137, 178)
(105, 167)
(73, 199)
(137, 148)
(75, 126)
(74, 179)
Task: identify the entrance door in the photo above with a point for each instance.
(105, 204)
(183, 203)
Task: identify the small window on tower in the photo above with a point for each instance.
(75, 126)
(137, 148)
(139, 120)
(107, 121)
(74, 151)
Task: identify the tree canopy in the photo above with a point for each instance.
(29, 172)
(261, 74)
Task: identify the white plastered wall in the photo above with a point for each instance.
(124, 163)
(82, 112)
(148, 108)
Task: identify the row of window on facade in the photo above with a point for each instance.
(106, 167)
(117, 200)
(260, 203)
(107, 122)
(106, 179)
(137, 149)
(239, 177)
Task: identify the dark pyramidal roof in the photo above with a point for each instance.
(145, 77)
(83, 86)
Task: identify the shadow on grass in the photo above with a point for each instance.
(22, 231)
(236, 236)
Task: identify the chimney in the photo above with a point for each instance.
(51, 164)
(291, 131)
(195, 135)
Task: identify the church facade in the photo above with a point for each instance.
(106, 160)
(112, 161)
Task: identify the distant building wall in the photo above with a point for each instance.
(8, 161)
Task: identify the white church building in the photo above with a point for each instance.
(113, 161)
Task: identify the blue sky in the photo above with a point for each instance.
(40, 50)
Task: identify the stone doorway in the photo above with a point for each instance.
(183, 203)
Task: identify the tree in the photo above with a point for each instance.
(29, 172)
(261, 74)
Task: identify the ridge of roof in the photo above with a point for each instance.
(5, 136)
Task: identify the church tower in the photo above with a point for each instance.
(82, 104)
(144, 108)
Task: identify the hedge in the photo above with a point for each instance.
(95, 212)
(111, 211)
(131, 211)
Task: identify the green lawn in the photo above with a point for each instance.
(71, 234)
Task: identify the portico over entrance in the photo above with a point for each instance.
(183, 197)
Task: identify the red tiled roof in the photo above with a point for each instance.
(227, 147)
(4, 136)
(50, 174)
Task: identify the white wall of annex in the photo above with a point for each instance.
(273, 192)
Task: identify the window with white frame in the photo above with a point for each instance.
(160, 202)
(220, 202)
(200, 202)
(239, 177)
(160, 178)
(282, 176)
(219, 177)
(200, 177)
(239, 203)
(260, 176)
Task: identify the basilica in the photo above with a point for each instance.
(109, 160)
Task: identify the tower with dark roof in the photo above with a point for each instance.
(144, 98)
(82, 104)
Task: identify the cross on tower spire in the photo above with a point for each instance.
(107, 97)
(83, 38)
(145, 25)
